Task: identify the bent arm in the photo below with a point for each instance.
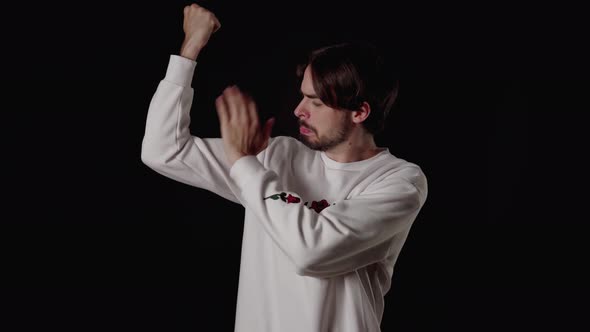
(345, 235)
(168, 146)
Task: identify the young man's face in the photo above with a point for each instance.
(320, 127)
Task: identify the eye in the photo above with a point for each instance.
(317, 104)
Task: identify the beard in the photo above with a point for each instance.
(332, 139)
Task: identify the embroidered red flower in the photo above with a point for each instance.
(319, 206)
(293, 199)
(283, 196)
(288, 198)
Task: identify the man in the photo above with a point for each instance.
(326, 218)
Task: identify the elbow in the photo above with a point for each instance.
(148, 158)
(306, 271)
(309, 265)
(159, 153)
(303, 270)
(315, 271)
(319, 261)
(303, 264)
(151, 157)
(148, 161)
(156, 163)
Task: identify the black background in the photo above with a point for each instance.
(93, 240)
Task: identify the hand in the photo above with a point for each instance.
(240, 129)
(198, 25)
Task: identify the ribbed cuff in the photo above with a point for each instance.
(245, 169)
(180, 70)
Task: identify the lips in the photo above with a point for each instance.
(305, 131)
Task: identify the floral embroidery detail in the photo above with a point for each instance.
(275, 197)
(288, 198)
(293, 199)
(283, 196)
(319, 206)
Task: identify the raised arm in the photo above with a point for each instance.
(168, 146)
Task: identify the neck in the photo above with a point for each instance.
(359, 145)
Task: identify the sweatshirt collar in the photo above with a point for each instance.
(355, 165)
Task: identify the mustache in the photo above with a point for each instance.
(303, 124)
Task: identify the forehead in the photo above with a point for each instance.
(307, 82)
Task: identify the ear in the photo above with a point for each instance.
(362, 113)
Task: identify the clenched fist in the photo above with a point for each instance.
(198, 25)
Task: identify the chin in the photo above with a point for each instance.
(311, 143)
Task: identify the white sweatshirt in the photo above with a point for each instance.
(320, 237)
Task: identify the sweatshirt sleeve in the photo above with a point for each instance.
(168, 146)
(345, 235)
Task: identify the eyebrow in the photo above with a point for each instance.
(309, 96)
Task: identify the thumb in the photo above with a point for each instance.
(266, 133)
(268, 128)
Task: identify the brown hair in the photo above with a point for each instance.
(346, 75)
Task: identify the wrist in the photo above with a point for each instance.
(190, 50)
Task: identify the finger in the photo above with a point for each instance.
(233, 104)
(251, 112)
(263, 136)
(268, 128)
(241, 102)
(222, 109)
(267, 131)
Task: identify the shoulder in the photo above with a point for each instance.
(396, 170)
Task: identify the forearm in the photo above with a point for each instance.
(345, 235)
(190, 50)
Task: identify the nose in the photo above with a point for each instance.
(300, 111)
